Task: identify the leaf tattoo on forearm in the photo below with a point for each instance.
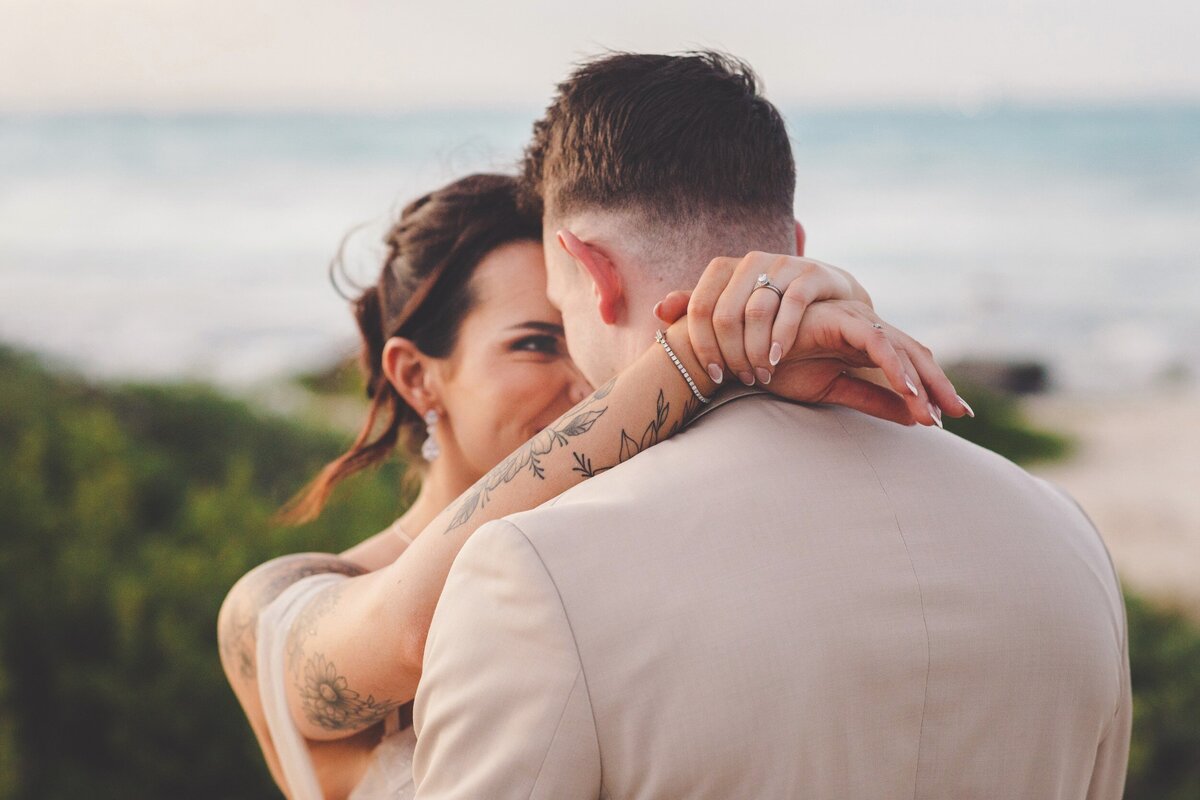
(583, 465)
(651, 436)
(630, 447)
(573, 424)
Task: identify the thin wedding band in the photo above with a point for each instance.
(764, 282)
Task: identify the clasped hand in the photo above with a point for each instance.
(802, 341)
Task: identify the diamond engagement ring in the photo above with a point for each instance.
(764, 282)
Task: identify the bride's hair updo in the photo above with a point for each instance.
(423, 294)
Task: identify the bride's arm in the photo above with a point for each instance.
(357, 655)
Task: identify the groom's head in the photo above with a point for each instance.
(646, 167)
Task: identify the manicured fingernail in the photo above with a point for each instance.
(936, 413)
(716, 373)
(764, 375)
(912, 387)
(658, 308)
(746, 378)
(776, 354)
(967, 406)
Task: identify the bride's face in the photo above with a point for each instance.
(509, 375)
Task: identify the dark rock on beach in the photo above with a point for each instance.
(1008, 377)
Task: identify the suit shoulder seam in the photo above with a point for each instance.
(920, 596)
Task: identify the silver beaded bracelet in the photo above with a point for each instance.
(658, 337)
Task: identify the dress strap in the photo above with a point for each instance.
(273, 624)
(395, 529)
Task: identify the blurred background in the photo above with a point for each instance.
(1017, 184)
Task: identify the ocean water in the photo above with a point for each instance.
(166, 247)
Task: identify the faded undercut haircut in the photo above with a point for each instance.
(684, 147)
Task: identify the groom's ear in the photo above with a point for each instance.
(606, 281)
(801, 237)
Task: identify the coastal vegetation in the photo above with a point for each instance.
(127, 511)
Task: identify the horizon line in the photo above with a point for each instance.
(966, 108)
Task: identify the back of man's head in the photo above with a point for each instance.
(682, 147)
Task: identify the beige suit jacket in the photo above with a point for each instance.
(783, 601)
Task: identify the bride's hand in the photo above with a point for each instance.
(837, 334)
(766, 327)
(736, 330)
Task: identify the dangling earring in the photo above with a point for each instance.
(430, 449)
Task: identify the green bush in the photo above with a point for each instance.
(127, 514)
(1164, 659)
(999, 426)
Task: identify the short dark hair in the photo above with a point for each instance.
(673, 137)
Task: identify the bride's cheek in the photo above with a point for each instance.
(536, 404)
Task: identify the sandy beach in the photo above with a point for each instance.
(1136, 470)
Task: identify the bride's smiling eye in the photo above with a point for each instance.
(540, 343)
(539, 337)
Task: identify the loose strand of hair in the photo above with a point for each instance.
(308, 503)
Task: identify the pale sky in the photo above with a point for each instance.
(388, 55)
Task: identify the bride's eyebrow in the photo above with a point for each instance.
(544, 327)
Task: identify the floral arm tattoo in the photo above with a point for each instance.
(329, 701)
(326, 697)
(239, 621)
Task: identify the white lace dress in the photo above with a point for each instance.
(390, 772)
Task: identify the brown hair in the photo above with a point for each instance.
(674, 137)
(423, 294)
